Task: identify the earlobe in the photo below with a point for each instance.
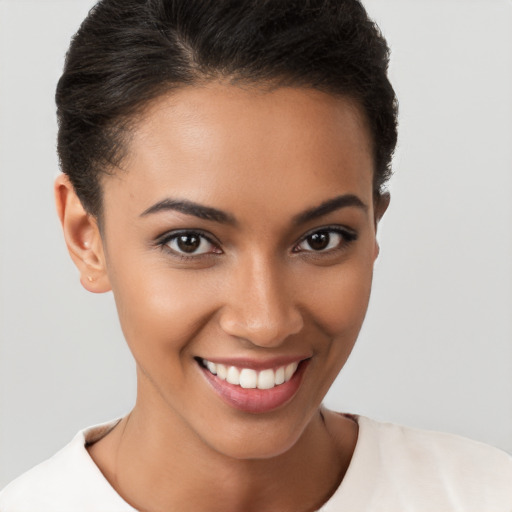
(82, 236)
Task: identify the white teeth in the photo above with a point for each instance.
(222, 371)
(233, 376)
(211, 366)
(289, 371)
(279, 375)
(250, 379)
(266, 379)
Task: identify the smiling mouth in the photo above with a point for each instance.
(254, 390)
(249, 378)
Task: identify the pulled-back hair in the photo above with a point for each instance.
(128, 52)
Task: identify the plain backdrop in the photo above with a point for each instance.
(436, 349)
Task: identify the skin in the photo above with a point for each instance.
(258, 291)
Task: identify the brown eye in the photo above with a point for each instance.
(191, 243)
(326, 240)
(319, 241)
(188, 243)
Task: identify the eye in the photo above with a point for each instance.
(325, 240)
(190, 243)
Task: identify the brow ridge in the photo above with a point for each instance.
(329, 206)
(213, 214)
(190, 208)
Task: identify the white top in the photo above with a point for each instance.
(393, 469)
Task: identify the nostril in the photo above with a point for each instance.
(259, 308)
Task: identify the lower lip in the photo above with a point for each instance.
(256, 401)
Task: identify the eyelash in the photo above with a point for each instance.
(164, 241)
(348, 236)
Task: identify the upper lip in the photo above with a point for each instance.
(256, 364)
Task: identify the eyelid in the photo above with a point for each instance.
(163, 240)
(349, 235)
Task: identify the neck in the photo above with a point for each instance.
(156, 463)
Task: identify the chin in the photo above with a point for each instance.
(258, 446)
(262, 439)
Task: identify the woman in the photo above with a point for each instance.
(224, 170)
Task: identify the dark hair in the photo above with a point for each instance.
(128, 52)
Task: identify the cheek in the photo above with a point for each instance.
(338, 308)
(160, 309)
(339, 298)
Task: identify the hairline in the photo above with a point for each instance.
(128, 123)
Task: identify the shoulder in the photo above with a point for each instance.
(67, 482)
(443, 471)
(436, 449)
(409, 440)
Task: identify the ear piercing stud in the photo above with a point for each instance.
(90, 279)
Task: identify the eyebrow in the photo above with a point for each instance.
(215, 215)
(191, 208)
(330, 206)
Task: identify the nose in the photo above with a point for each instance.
(259, 306)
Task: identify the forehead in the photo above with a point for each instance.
(218, 143)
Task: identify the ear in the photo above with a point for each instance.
(82, 236)
(381, 204)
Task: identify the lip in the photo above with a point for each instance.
(256, 401)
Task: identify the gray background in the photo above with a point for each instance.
(436, 350)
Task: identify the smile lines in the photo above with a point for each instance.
(251, 379)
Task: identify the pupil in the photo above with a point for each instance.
(188, 243)
(319, 241)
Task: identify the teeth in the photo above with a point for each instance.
(250, 379)
(266, 379)
(211, 366)
(289, 371)
(222, 371)
(279, 375)
(233, 376)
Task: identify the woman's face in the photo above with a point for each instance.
(239, 240)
